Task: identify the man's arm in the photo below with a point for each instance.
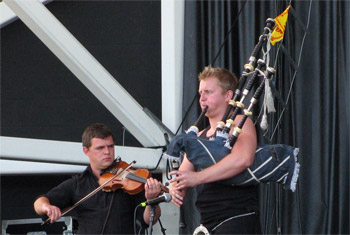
(42, 206)
(240, 158)
(152, 190)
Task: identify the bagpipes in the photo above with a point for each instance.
(272, 163)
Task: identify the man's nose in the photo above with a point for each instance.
(106, 150)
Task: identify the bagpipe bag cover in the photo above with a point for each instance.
(272, 163)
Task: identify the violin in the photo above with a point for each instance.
(118, 175)
(125, 177)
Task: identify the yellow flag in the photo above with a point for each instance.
(281, 21)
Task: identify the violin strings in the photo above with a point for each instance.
(135, 177)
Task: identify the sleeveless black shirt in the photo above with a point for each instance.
(217, 202)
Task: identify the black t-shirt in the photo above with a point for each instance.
(217, 202)
(92, 213)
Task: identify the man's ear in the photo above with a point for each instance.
(85, 150)
(229, 95)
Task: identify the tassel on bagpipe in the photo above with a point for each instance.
(248, 68)
(272, 163)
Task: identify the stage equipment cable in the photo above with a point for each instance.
(215, 58)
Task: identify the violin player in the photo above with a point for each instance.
(224, 209)
(104, 212)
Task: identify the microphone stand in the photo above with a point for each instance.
(161, 226)
(150, 229)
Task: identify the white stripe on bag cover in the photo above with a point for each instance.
(205, 147)
(275, 168)
(252, 173)
(282, 178)
(271, 172)
(265, 162)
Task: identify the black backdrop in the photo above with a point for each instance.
(312, 78)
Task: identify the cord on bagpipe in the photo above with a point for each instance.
(248, 69)
(272, 163)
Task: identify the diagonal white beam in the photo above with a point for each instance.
(7, 16)
(89, 71)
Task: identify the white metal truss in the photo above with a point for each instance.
(7, 15)
(147, 130)
(60, 154)
(89, 71)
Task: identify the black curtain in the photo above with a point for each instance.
(311, 99)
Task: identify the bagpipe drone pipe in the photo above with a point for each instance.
(272, 163)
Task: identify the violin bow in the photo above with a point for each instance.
(92, 193)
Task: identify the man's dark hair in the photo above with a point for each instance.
(97, 130)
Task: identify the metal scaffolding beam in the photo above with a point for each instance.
(47, 156)
(89, 71)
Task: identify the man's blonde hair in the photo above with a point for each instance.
(227, 80)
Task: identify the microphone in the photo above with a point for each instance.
(166, 197)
